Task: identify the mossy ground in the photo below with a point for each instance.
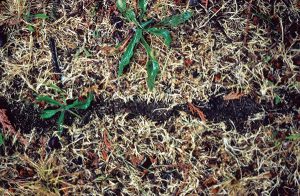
(135, 142)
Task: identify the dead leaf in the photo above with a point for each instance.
(233, 96)
(214, 191)
(135, 5)
(104, 155)
(153, 160)
(205, 2)
(217, 77)
(188, 62)
(135, 160)
(210, 181)
(106, 141)
(194, 110)
(108, 50)
(93, 89)
(267, 175)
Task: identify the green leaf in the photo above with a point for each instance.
(41, 16)
(152, 65)
(152, 70)
(121, 5)
(143, 7)
(87, 53)
(175, 20)
(163, 33)
(55, 88)
(1, 139)
(60, 121)
(49, 100)
(146, 46)
(277, 100)
(145, 24)
(129, 51)
(293, 136)
(48, 113)
(130, 15)
(30, 28)
(82, 104)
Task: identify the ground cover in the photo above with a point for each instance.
(222, 118)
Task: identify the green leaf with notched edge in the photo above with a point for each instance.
(143, 6)
(48, 113)
(130, 15)
(48, 100)
(175, 20)
(81, 104)
(152, 65)
(148, 22)
(129, 51)
(162, 33)
(121, 5)
(30, 28)
(60, 121)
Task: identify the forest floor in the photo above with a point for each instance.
(223, 118)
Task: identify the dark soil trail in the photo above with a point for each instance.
(26, 116)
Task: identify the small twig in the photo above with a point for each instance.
(55, 62)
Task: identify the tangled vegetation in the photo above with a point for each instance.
(223, 118)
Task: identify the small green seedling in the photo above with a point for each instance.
(146, 26)
(294, 137)
(63, 108)
(277, 100)
(28, 17)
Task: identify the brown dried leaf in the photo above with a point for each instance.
(135, 160)
(104, 155)
(214, 191)
(194, 110)
(233, 96)
(87, 90)
(188, 62)
(106, 141)
(108, 50)
(153, 160)
(210, 181)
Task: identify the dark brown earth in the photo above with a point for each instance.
(26, 116)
